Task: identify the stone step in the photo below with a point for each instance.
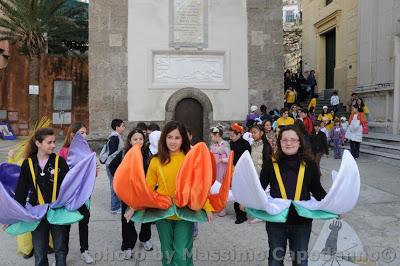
(377, 153)
(383, 137)
(380, 147)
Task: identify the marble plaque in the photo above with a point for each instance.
(189, 69)
(62, 118)
(62, 99)
(188, 23)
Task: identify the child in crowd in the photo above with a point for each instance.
(319, 144)
(311, 114)
(326, 114)
(238, 145)
(293, 111)
(79, 127)
(337, 135)
(221, 150)
(176, 235)
(269, 133)
(323, 127)
(335, 102)
(284, 120)
(39, 180)
(344, 123)
(252, 115)
(247, 135)
(129, 234)
(313, 102)
(115, 145)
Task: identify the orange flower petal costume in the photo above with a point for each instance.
(130, 184)
(193, 182)
(218, 201)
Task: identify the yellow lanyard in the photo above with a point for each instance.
(299, 185)
(39, 193)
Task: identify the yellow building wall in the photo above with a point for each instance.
(319, 19)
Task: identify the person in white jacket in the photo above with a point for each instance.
(335, 100)
(354, 132)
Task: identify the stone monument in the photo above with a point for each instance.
(150, 58)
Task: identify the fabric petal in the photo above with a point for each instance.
(10, 210)
(130, 184)
(214, 167)
(194, 179)
(247, 190)
(78, 184)
(219, 200)
(343, 194)
(9, 175)
(78, 150)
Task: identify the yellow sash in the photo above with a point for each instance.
(299, 185)
(39, 193)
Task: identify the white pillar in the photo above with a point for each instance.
(396, 91)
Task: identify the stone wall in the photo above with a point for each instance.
(108, 25)
(108, 74)
(265, 52)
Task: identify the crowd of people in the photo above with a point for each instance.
(283, 145)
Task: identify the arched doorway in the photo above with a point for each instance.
(197, 98)
(190, 113)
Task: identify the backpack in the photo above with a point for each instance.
(104, 153)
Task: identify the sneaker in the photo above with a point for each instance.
(118, 211)
(240, 220)
(128, 254)
(86, 257)
(255, 221)
(222, 213)
(148, 246)
(27, 256)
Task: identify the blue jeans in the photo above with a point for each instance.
(40, 239)
(115, 201)
(298, 236)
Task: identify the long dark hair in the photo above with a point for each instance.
(40, 134)
(267, 149)
(128, 144)
(304, 151)
(72, 129)
(163, 152)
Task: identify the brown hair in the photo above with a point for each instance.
(72, 129)
(163, 152)
(304, 151)
(40, 134)
(128, 144)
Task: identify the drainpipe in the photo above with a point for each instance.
(396, 91)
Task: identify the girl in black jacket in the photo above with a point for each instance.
(129, 234)
(319, 143)
(238, 146)
(291, 155)
(35, 186)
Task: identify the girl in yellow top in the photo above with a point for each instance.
(313, 102)
(176, 236)
(328, 120)
(290, 97)
(285, 119)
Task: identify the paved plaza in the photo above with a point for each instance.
(376, 220)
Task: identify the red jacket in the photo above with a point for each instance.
(308, 124)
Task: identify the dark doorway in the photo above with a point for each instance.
(190, 113)
(330, 55)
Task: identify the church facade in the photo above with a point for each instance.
(202, 62)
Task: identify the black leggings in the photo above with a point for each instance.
(84, 228)
(129, 234)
